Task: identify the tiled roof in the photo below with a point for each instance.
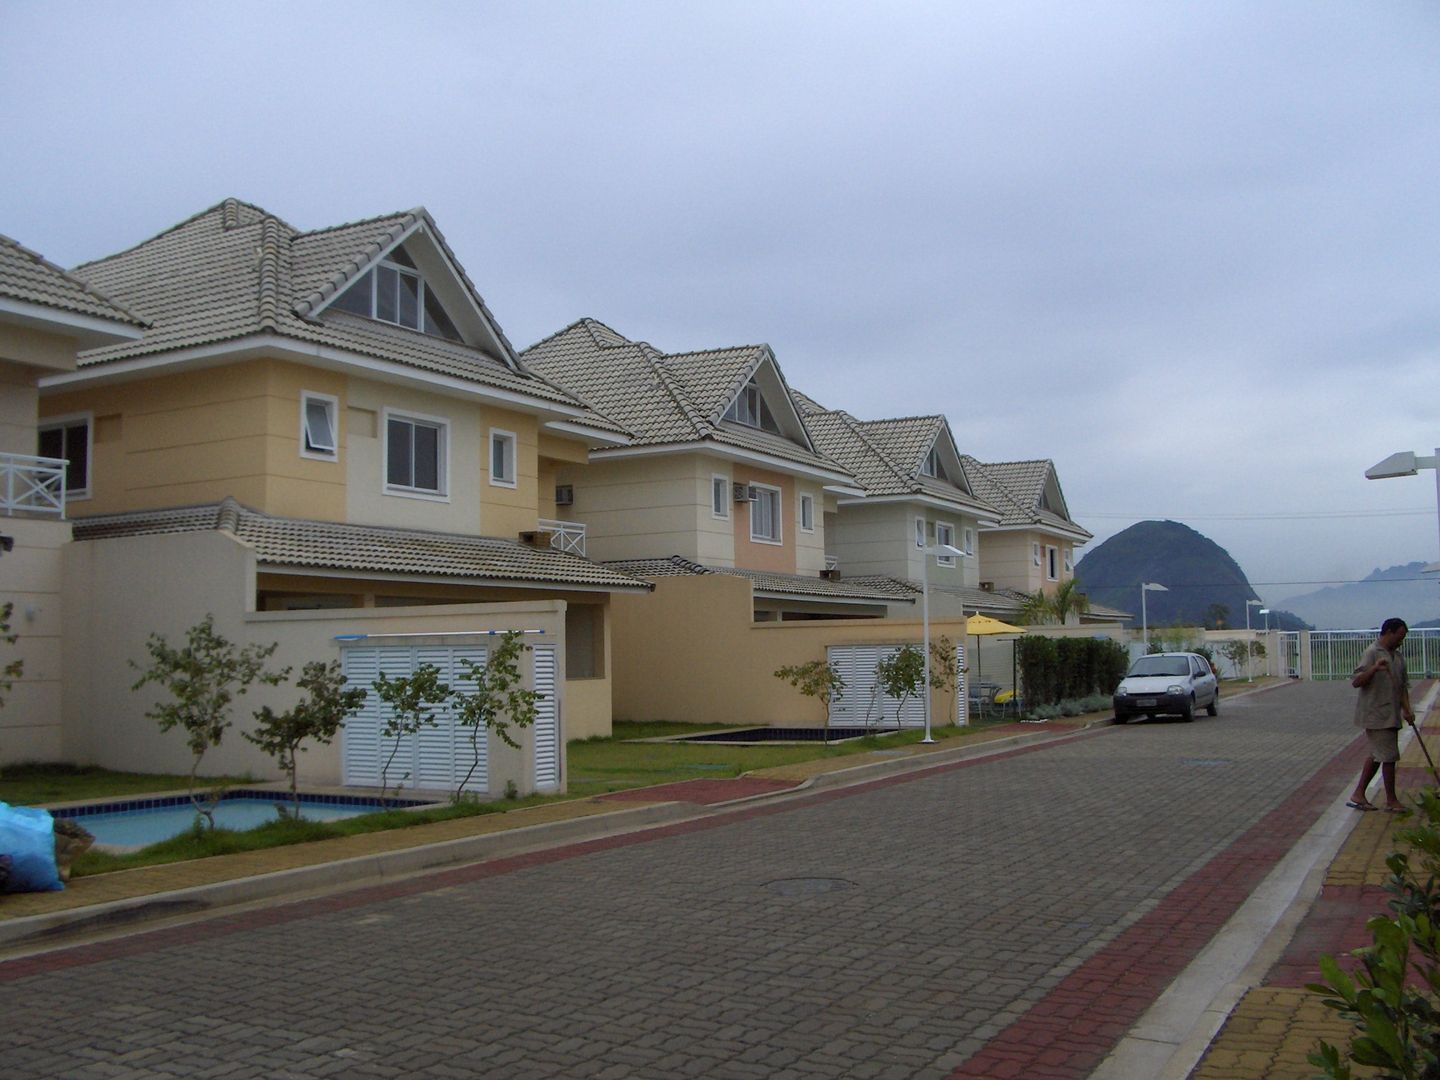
(805, 403)
(234, 270)
(28, 276)
(1016, 489)
(886, 455)
(281, 542)
(876, 589)
(661, 398)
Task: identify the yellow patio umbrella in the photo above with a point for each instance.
(978, 625)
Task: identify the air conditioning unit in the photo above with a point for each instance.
(564, 494)
(743, 492)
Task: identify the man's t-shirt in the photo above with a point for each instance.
(1378, 706)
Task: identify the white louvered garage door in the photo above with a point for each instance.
(547, 721)
(863, 694)
(438, 757)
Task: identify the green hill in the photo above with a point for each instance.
(1200, 576)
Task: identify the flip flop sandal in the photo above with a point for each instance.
(1353, 805)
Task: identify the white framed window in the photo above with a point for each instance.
(502, 458)
(720, 497)
(920, 533)
(807, 513)
(1052, 563)
(749, 408)
(944, 534)
(969, 542)
(393, 291)
(932, 465)
(72, 438)
(416, 454)
(1035, 554)
(765, 515)
(318, 438)
(1069, 558)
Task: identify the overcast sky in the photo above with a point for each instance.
(1191, 252)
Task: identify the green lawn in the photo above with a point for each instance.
(597, 766)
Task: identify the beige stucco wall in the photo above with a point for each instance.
(201, 435)
(19, 401)
(1007, 559)
(48, 352)
(879, 538)
(119, 591)
(30, 578)
(690, 652)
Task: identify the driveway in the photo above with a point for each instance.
(1004, 916)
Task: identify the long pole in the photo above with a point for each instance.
(1144, 623)
(925, 617)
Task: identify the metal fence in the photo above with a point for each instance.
(1334, 654)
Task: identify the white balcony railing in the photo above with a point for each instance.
(565, 535)
(32, 485)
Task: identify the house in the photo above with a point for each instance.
(46, 317)
(915, 493)
(1032, 549)
(333, 422)
(721, 476)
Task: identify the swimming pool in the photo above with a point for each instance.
(136, 822)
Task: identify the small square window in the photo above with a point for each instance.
(69, 438)
(1035, 554)
(920, 533)
(969, 541)
(720, 496)
(502, 458)
(807, 513)
(415, 455)
(944, 535)
(317, 426)
(1052, 563)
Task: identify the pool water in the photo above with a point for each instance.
(147, 821)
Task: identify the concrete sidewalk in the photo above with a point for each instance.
(1273, 1026)
(122, 901)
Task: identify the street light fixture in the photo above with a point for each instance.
(1149, 586)
(946, 551)
(1408, 463)
(1249, 644)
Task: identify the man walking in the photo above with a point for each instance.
(1381, 709)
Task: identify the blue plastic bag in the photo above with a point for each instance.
(27, 835)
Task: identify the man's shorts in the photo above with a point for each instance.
(1384, 744)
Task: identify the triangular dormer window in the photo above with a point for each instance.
(932, 466)
(1045, 502)
(394, 291)
(749, 408)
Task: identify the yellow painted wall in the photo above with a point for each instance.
(690, 652)
(19, 405)
(30, 579)
(758, 555)
(44, 351)
(648, 507)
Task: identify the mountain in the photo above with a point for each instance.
(1399, 590)
(1197, 573)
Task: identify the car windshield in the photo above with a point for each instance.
(1160, 665)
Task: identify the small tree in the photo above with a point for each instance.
(818, 679)
(902, 675)
(1068, 600)
(498, 699)
(1215, 616)
(15, 668)
(413, 700)
(1035, 609)
(202, 677)
(317, 716)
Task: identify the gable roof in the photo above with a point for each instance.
(668, 399)
(886, 456)
(292, 542)
(36, 292)
(1027, 493)
(235, 271)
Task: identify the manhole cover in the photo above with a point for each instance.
(808, 886)
(1205, 761)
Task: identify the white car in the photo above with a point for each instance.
(1173, 684)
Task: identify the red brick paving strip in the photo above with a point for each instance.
(1067, 1033)
(1335, 924)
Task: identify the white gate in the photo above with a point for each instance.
(865, 702)
(547, 721)
(439, 757)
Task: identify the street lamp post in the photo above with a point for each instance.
(925, 555)
(1408, 463)
(1149, 586)
(1250, 644)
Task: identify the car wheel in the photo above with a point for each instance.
(1188, 714)
(1120, 718)
(1214, 707)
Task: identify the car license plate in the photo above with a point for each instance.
(1147, 702)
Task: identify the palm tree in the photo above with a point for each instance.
(1067, 599)
(1035, 609)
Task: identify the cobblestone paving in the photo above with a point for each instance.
(891, 930)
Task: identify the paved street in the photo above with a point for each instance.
(1007, 916)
